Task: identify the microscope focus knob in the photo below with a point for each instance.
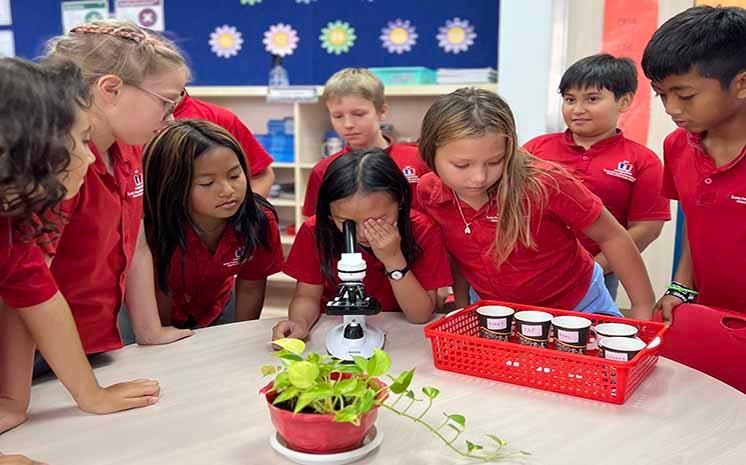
(353, 331)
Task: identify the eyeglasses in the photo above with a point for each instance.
(171, 104)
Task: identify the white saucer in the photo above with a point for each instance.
(370, 443)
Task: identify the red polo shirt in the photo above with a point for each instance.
(431, 268)
(200, 282)
(94, 251)
(556, 275)
(714, 202)
(25, 280)
(627, 176)
(406, 156)
(191, 107)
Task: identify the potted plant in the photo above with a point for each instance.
(322, 405)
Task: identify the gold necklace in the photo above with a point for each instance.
(467, 226)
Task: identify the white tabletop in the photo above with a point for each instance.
(210, 412)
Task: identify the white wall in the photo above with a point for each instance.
(525, 39)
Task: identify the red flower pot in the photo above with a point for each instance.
(316, 433)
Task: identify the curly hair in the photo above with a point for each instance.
(38, 108)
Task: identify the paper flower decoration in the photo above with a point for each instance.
(225, 41)
(337, 37)
(456, 36)
(250, 2)
(280, 39)
(398, 36)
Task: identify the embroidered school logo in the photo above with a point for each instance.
(623, 170)
(236, 260)
(139, 185)
(738, 199)
(411, 174)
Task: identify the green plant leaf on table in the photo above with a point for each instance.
(303, 374)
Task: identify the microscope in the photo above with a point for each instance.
(353, 336)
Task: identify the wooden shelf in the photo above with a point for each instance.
(283, 164)
(281, 202)
(391, 91)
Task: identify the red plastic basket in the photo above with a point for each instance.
(457, 347)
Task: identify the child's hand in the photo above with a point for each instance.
(385, 242)
(289, 328)
(17, 460)
(122, 396)
(667, 303)
(164, 335)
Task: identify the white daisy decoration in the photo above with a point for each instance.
(281, 39)
(456, 36)
(398, 36)
(225, 41)
(250, 2)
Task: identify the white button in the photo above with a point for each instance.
(708, 180)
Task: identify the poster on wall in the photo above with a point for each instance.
(145, 13)
(6, 19)
(77, 13)
(7, 44)
(626, 33)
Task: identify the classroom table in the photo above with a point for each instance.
(210, 412)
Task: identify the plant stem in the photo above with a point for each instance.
(498, 455)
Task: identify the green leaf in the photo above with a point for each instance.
(410, 394)
(346, 386)
(270, 370)
(456, 418)
(348, 414)
(351, 369)
(314, 358)
(289, 357)
(470, 446)
(402, 382)
(379, 363)
(497, 440)
(361, 363)
(430, 392)
(287, 394)
(321, 391)
(295, 346)
(366, 401)
(304, 400)
(303, 374)
(281, 382)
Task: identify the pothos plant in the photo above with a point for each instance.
(321, 384)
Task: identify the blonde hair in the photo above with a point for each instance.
(116, 47)
(470, 112)
(355, 81)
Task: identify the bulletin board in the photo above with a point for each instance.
(226, 40)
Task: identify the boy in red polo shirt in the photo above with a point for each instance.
(625, 175)
(354, 98)
(697, 64)
(262, 175)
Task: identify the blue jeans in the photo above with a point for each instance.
(596, 300)
(612, 284)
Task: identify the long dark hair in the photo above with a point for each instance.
(38, 108)
(168, 163)
(361, 172)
